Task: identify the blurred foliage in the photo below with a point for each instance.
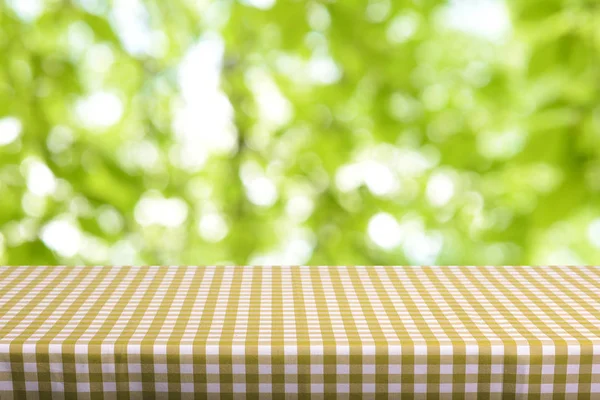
(299, 132)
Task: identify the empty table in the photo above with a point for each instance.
(299, 332)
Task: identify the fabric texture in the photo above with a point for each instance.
(299, 332)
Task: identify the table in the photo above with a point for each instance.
(299, 332)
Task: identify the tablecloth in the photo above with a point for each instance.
(299, 332)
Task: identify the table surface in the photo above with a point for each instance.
(294, 330)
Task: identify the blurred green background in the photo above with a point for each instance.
(299, 132)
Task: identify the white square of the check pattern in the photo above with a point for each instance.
(5, 368)
(266, 317)
(548, 367)
(55, 365)
(549, 388)
(108, 367)
(595, 372)
(30, 367)
(134, 365)
(161, 373)
(573, 368)
(472, 367)
(265, 371)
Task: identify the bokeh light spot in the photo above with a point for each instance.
(384, 231)
(10, 129)
(62, 236)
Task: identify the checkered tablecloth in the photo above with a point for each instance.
(299, 332)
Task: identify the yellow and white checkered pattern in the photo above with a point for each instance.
(299, 332)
